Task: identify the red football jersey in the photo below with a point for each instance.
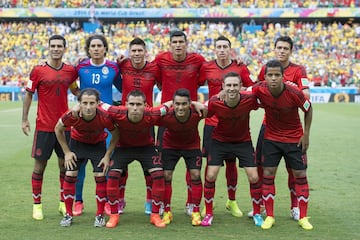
(52, 89)
(282, 117)
(181, 135)
(233, 125)
(214, 75)
(90, 132)
(143, 79)
(135, 134)
(175, 75)
(294, 73)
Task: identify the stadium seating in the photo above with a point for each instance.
(330, 52)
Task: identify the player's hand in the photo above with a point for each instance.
(26, 127)
(42, 62)
(200, 108)
(238, 60)
(291, 83)
(304, 143)
(75, 111)
(221, 95)
(120, 59)
(168, 104)
(70, 161)
(104, 164)
(78, 60)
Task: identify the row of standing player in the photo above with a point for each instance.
(172, 65)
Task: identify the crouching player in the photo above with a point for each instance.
(136, 142)
(88, 141)
(181, 139)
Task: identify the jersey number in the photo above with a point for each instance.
(95, 78)
(198, 161)
(156, 160)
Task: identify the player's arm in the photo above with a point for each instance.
(168, 104)
(261, 75)
(118, 83)
(304, 140)
(120, 59)
(78, 60)
(306, 92)
(25, 113)
(70, 157)
(302, 81)
(200, 108)
(74, 88)
(105, 161)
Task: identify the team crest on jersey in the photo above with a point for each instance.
(29, 84)
(105, 70)
(162, 111)
(105, 106)
(304, 81)
(306, 105)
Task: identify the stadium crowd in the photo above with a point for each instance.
(180, 3)
(331, 52)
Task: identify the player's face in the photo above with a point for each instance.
(231, 86)
(88, 105)
(181, 106)
(137, 54)
(97, 49)
(274, 78)
(282, 51)
(178, 46)
(222, 50)
(136, 107)
(56, 49)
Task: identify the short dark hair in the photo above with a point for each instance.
(232, 74)
(182, 92)
(274, 64)
(177, 33)
(137, 41)
(96, 36)
(89, 92)
(284, 39)
(58, 37)
(222, 38)
(136, 93)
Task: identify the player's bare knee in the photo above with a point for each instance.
(211, 177)
(299, 173)
(253, 178)
(39, 166)
(195, 175)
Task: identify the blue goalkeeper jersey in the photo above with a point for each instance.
(101, 77)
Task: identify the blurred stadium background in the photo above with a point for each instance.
(326, 35)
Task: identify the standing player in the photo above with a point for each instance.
(179, 69)
(285, 137)
(137, 73)
(181, 139)
(99, 73)
(213, 72)
(232, 136)
(88, 141)
(51, 82)
(296, 75)
(136, 143)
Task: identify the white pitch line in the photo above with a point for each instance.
(10, 110)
